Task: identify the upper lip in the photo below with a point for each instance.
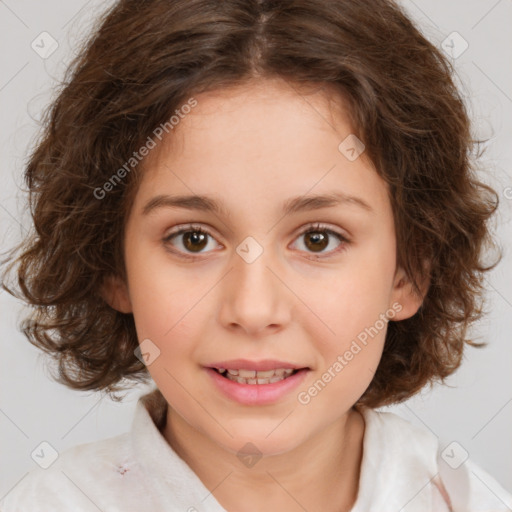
(265, 364)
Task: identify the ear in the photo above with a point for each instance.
(404, 294)
(115, 293)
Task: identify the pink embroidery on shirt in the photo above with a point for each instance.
(122, 469)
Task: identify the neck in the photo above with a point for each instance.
(322, 473)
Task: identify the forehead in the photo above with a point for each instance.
(265, 106)
(263, 142)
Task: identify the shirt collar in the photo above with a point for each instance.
(174, 485)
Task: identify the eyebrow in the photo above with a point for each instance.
(293, 205)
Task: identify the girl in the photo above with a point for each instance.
(269, 209)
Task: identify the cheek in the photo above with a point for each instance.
(349, 341)
(161, 293)
(166, 309)
(355, 295)
(352, 305)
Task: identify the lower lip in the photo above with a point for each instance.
(256, 394)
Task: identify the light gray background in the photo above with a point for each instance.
(476, 411)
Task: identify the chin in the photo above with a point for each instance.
(266, 438)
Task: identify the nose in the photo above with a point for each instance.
(254, 298)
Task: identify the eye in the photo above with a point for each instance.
(318, 238)
(194, 239)
(190, 239)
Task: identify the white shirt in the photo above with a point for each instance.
(401, 470)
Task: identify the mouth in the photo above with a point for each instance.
(250, 382)
(255, 377)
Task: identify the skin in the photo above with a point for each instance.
(253, 147)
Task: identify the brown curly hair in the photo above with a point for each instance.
(145, 58)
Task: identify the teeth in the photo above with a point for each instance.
(266, 375)
(247, 374)
(253, 377)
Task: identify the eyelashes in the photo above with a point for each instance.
(196, 237)
(200, 237)
(323, 230)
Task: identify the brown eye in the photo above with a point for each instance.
(188, 241)
(194, 240)
(316, 240)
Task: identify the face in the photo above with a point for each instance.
(266, 280)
